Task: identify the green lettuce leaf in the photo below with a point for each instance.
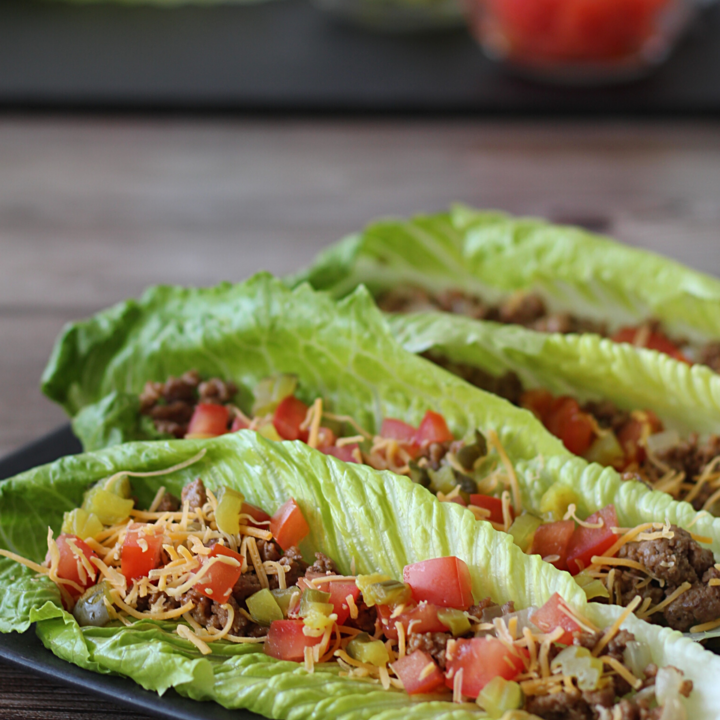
(344, 352)
(378, 521)
(493, 255)
(685, 398)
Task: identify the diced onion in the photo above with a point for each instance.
(663, 441)
(667, 685)
(637, 657)
(673, 710)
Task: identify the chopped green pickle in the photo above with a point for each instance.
(637, 657)
(606, 450)
(469, 454)
(419, 474)
(118, 484)
(455, 620)
(468, 486)
(500, 696)
(285, 598)
(364, 581)
(523, 530)
(317, 601)
(90, 609)
(263, 607)
(365, 649)
(268, 431)
(579, 663)
(227, 514)
(387, 592)
(592, 586)
(556, 501)
(108, 507)
(271, 391)
(442, 480)
(81, 523)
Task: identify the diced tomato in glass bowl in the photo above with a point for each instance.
(579, 41)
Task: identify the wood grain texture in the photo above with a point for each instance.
(94, 210)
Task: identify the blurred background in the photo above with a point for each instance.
(191, 143)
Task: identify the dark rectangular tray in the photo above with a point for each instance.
(26, 651)
(287, 57)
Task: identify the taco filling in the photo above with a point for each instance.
(666, 566)
(635, 443)
(530, 311)
(226, 571)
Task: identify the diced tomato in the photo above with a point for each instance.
(344, 453)
(654, 341)
(289, 416)
(397, 430)
(493, 504)
(569, 423)
(553, 539)
(587, 542)
(551, 616)
(217, 583)
(424, 619)
(258, 515)
(338, 594)
(326, 438)
(412, 672)
(575, 30)
(239, 424)
(433, 429)
(538, 402)
(68, 568)
(482, 659)
(630, 434)
(141, 552)
(288, 525)
(286, 640)
(441, 581)
(208, 420)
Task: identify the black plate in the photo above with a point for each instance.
(28, 652)
(286, 56)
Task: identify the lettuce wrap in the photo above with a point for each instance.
(495, 256)
(357, 516)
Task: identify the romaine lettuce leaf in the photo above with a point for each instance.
(378, 520)
(685, 398)
(344, 352)
(493, 255)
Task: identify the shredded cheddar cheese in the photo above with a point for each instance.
(615, 627)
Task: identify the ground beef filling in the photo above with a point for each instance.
(670, 562)
(527, 309)
(171, 404)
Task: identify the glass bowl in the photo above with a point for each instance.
(579, 41)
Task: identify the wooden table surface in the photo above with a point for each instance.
(94, 210)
